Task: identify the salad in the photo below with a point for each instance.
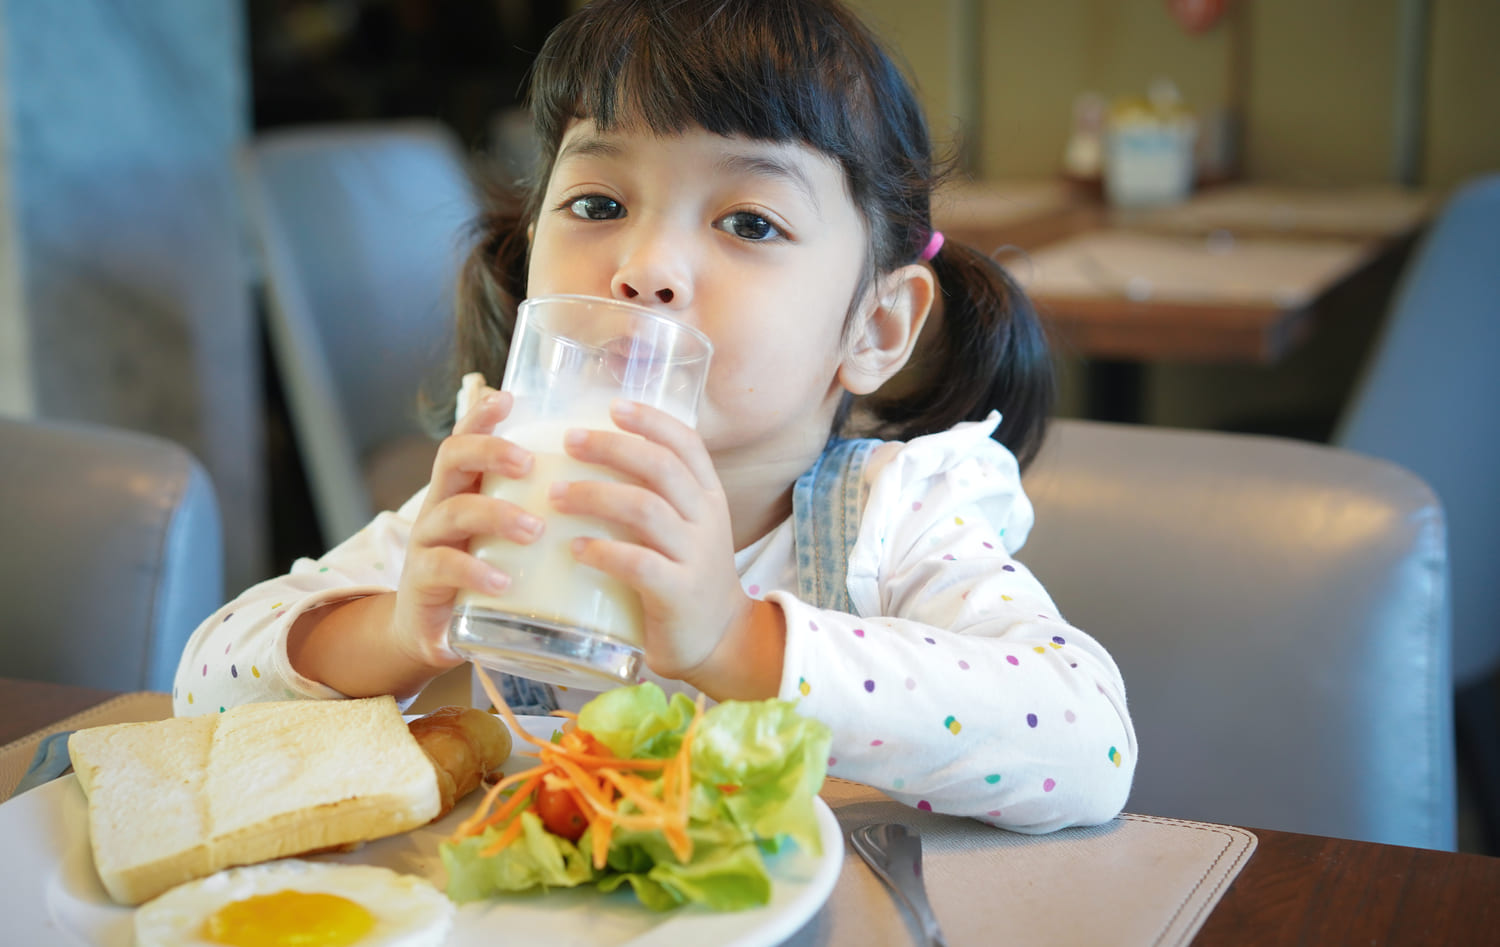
(678, 802)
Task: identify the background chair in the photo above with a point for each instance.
(1279, 612)
(360, 229)
(1429, 400)
(112, 554)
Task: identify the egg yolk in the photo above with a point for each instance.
(289, 919)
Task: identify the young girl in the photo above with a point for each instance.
(761, 170)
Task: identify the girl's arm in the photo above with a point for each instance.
(969, 694)
(371, 617)
(239, 654)
(349, 647)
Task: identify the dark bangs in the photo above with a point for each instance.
(766, 69)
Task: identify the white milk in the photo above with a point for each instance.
(547, 583)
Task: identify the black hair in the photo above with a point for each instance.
(806, 71)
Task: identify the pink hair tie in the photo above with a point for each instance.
(933, 246)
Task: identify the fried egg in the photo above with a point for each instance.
(294, 903)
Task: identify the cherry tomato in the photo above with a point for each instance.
(559, 813)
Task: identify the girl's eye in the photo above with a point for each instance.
(748, 226)
(597, 207)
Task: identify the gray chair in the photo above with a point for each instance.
(360, 229)
(110, 554)
(1279, 612)
(1429, 400)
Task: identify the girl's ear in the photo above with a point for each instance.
(889, 323)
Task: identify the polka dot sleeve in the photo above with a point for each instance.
(962, 690)
(239, 656)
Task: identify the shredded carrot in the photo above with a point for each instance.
(597, 781)
(603, 827)
(510, 807)
(507, 835)
(470, 826)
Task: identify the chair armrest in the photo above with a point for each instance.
(1279, 611)
(113, 554)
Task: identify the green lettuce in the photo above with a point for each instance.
(638, 722)
(756, 767)
(538, 859)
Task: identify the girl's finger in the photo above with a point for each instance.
(661, 428)
(441, 571)
(642, 569)
(652, 520)
(463, 460)
(464, 516)
(488, 409)
(651, 465)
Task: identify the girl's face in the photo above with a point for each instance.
(757, 244)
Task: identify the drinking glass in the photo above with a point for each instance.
(560, 621)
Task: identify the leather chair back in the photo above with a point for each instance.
(112, 554)
(1279, 611)
(1429, 400)
(361, 230)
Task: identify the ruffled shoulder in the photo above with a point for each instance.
(917, 488)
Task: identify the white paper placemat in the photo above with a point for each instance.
(1138, 880)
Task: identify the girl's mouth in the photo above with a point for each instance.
(634, 362)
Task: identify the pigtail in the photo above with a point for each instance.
(491, 284)
(990, 353)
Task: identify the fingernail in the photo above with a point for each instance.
(623, 408)
(491, 399)
(556, 489)
(518, 457)
(528, 524)
(496, 581)
(574, 436)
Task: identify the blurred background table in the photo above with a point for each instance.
(1234, 275)
(1249, 209)
(1118, 293)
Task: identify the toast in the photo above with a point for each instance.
(179, 799)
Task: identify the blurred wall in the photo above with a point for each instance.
(125, 300)
(1318, 88)
(1463, 107)
(938, 44)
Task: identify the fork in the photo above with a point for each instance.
(894, 851)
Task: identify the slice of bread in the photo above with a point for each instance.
(148, 825)
(179, 799)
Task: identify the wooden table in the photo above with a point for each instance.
(27, 706)
(1306, 889)
(1235, 275)
(1296, 889)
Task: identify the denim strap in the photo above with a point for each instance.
(826, 506)
(525, 696)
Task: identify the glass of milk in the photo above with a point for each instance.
(560, 621)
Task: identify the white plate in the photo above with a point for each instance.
(49, 893)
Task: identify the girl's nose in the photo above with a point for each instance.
(654, 275)
(664, 294)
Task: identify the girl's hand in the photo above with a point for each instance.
(682, 562)
(438, 564)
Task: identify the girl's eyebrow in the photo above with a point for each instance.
(590, 146)
(765, 166)
(769, 167)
